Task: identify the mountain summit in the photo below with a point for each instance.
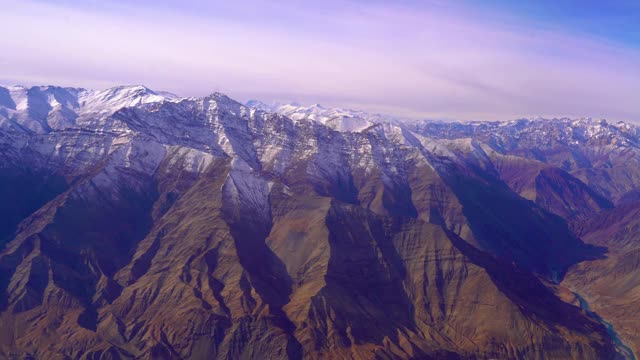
(138, 224)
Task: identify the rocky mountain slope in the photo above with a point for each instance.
(144, 225)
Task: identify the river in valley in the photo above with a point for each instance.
(621, 347)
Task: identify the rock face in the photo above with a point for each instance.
(143, 225)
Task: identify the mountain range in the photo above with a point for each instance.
(141, 225)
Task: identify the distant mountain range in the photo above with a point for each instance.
(139, 224)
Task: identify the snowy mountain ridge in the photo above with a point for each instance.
(336, 118)
(42, 109)
(78, 127)
(45, 108)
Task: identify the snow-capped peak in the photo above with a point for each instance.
(261, 105)
(43, 108)
(113, 99)
(336, 118)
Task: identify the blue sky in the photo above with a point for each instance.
(616, 21)
(469, 59)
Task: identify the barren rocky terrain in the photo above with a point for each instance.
(137, 224)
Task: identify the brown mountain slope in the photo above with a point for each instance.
(204, 229)
(550, 187)
(211, 276)
(612, 285)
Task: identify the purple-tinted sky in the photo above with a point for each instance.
(431, 59)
